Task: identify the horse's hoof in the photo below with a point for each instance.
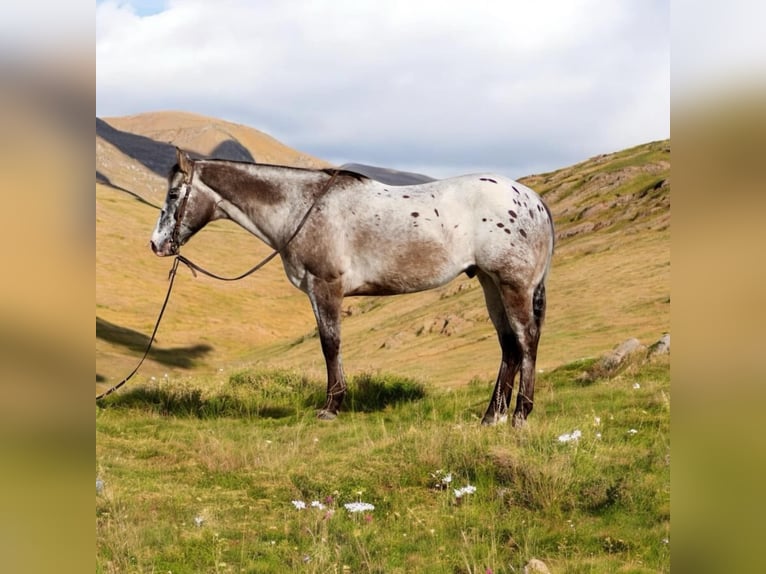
(492, 420)
(519, 421)
(325, 415)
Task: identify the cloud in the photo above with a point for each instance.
(450, 87)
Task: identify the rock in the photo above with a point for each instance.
(661, 347)
(619, 354)
(535, 566)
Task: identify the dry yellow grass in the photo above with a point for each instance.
(610, 276)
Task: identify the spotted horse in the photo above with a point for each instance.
(341, 233)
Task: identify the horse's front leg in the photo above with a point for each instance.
(326, 299)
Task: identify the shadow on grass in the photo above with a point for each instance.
(191, 403)
(267, 394)
(183, 357)
(369, 392)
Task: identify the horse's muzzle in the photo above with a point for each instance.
(165, 250)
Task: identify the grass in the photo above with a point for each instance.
(199, 476)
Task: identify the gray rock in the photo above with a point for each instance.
(619, 354)
(535, 566)
(661, 347)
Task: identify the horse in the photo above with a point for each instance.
(340, 233)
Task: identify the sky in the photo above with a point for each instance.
(435, 86)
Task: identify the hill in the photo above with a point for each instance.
(609, 281)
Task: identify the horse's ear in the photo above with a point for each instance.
(185, 162)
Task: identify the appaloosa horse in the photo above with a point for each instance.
(340, 233)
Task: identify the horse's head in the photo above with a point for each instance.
(186, 210)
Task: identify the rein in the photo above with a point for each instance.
(171, 278)
(194, 267)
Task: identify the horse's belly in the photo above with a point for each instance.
(405, 268)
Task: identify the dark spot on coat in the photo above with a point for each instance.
(512, 213)
(531, 214)
(508, 231)
(489, 179)
(523, 233)
(415, 214)
(436, 211)
(500, 225)
(405, 196)
(514, 189)
(484, 219)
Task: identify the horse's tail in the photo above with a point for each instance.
(539, 300)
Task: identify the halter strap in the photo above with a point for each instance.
(174, 242)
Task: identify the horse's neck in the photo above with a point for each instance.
(267, 201)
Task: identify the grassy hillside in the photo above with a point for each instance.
(609, 281)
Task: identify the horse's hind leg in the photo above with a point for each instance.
(526, 312)
(326, 299)
(497, 411)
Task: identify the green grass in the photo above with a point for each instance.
(234, 452)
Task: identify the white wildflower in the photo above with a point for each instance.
(468, 489)
(569, 437)
(596, 421)
(359, 506)
(632, 431)
(317, 504)
(447, 479)
(299, 504)
(198, 520)
(636, 386)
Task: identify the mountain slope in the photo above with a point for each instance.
(609, 281)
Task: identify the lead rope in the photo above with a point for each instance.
(171, 278)
(194, 267)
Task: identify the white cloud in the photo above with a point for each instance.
(446, 86)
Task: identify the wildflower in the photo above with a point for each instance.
(359, 506)
(596, 421)
(569, 437)
(317, 504)
(632, 431)
(329, 500)
(468, 489)
(368, 518)
(598, 435)
(198, 520)
(447, 479)
(636, 386)
(299, 504)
